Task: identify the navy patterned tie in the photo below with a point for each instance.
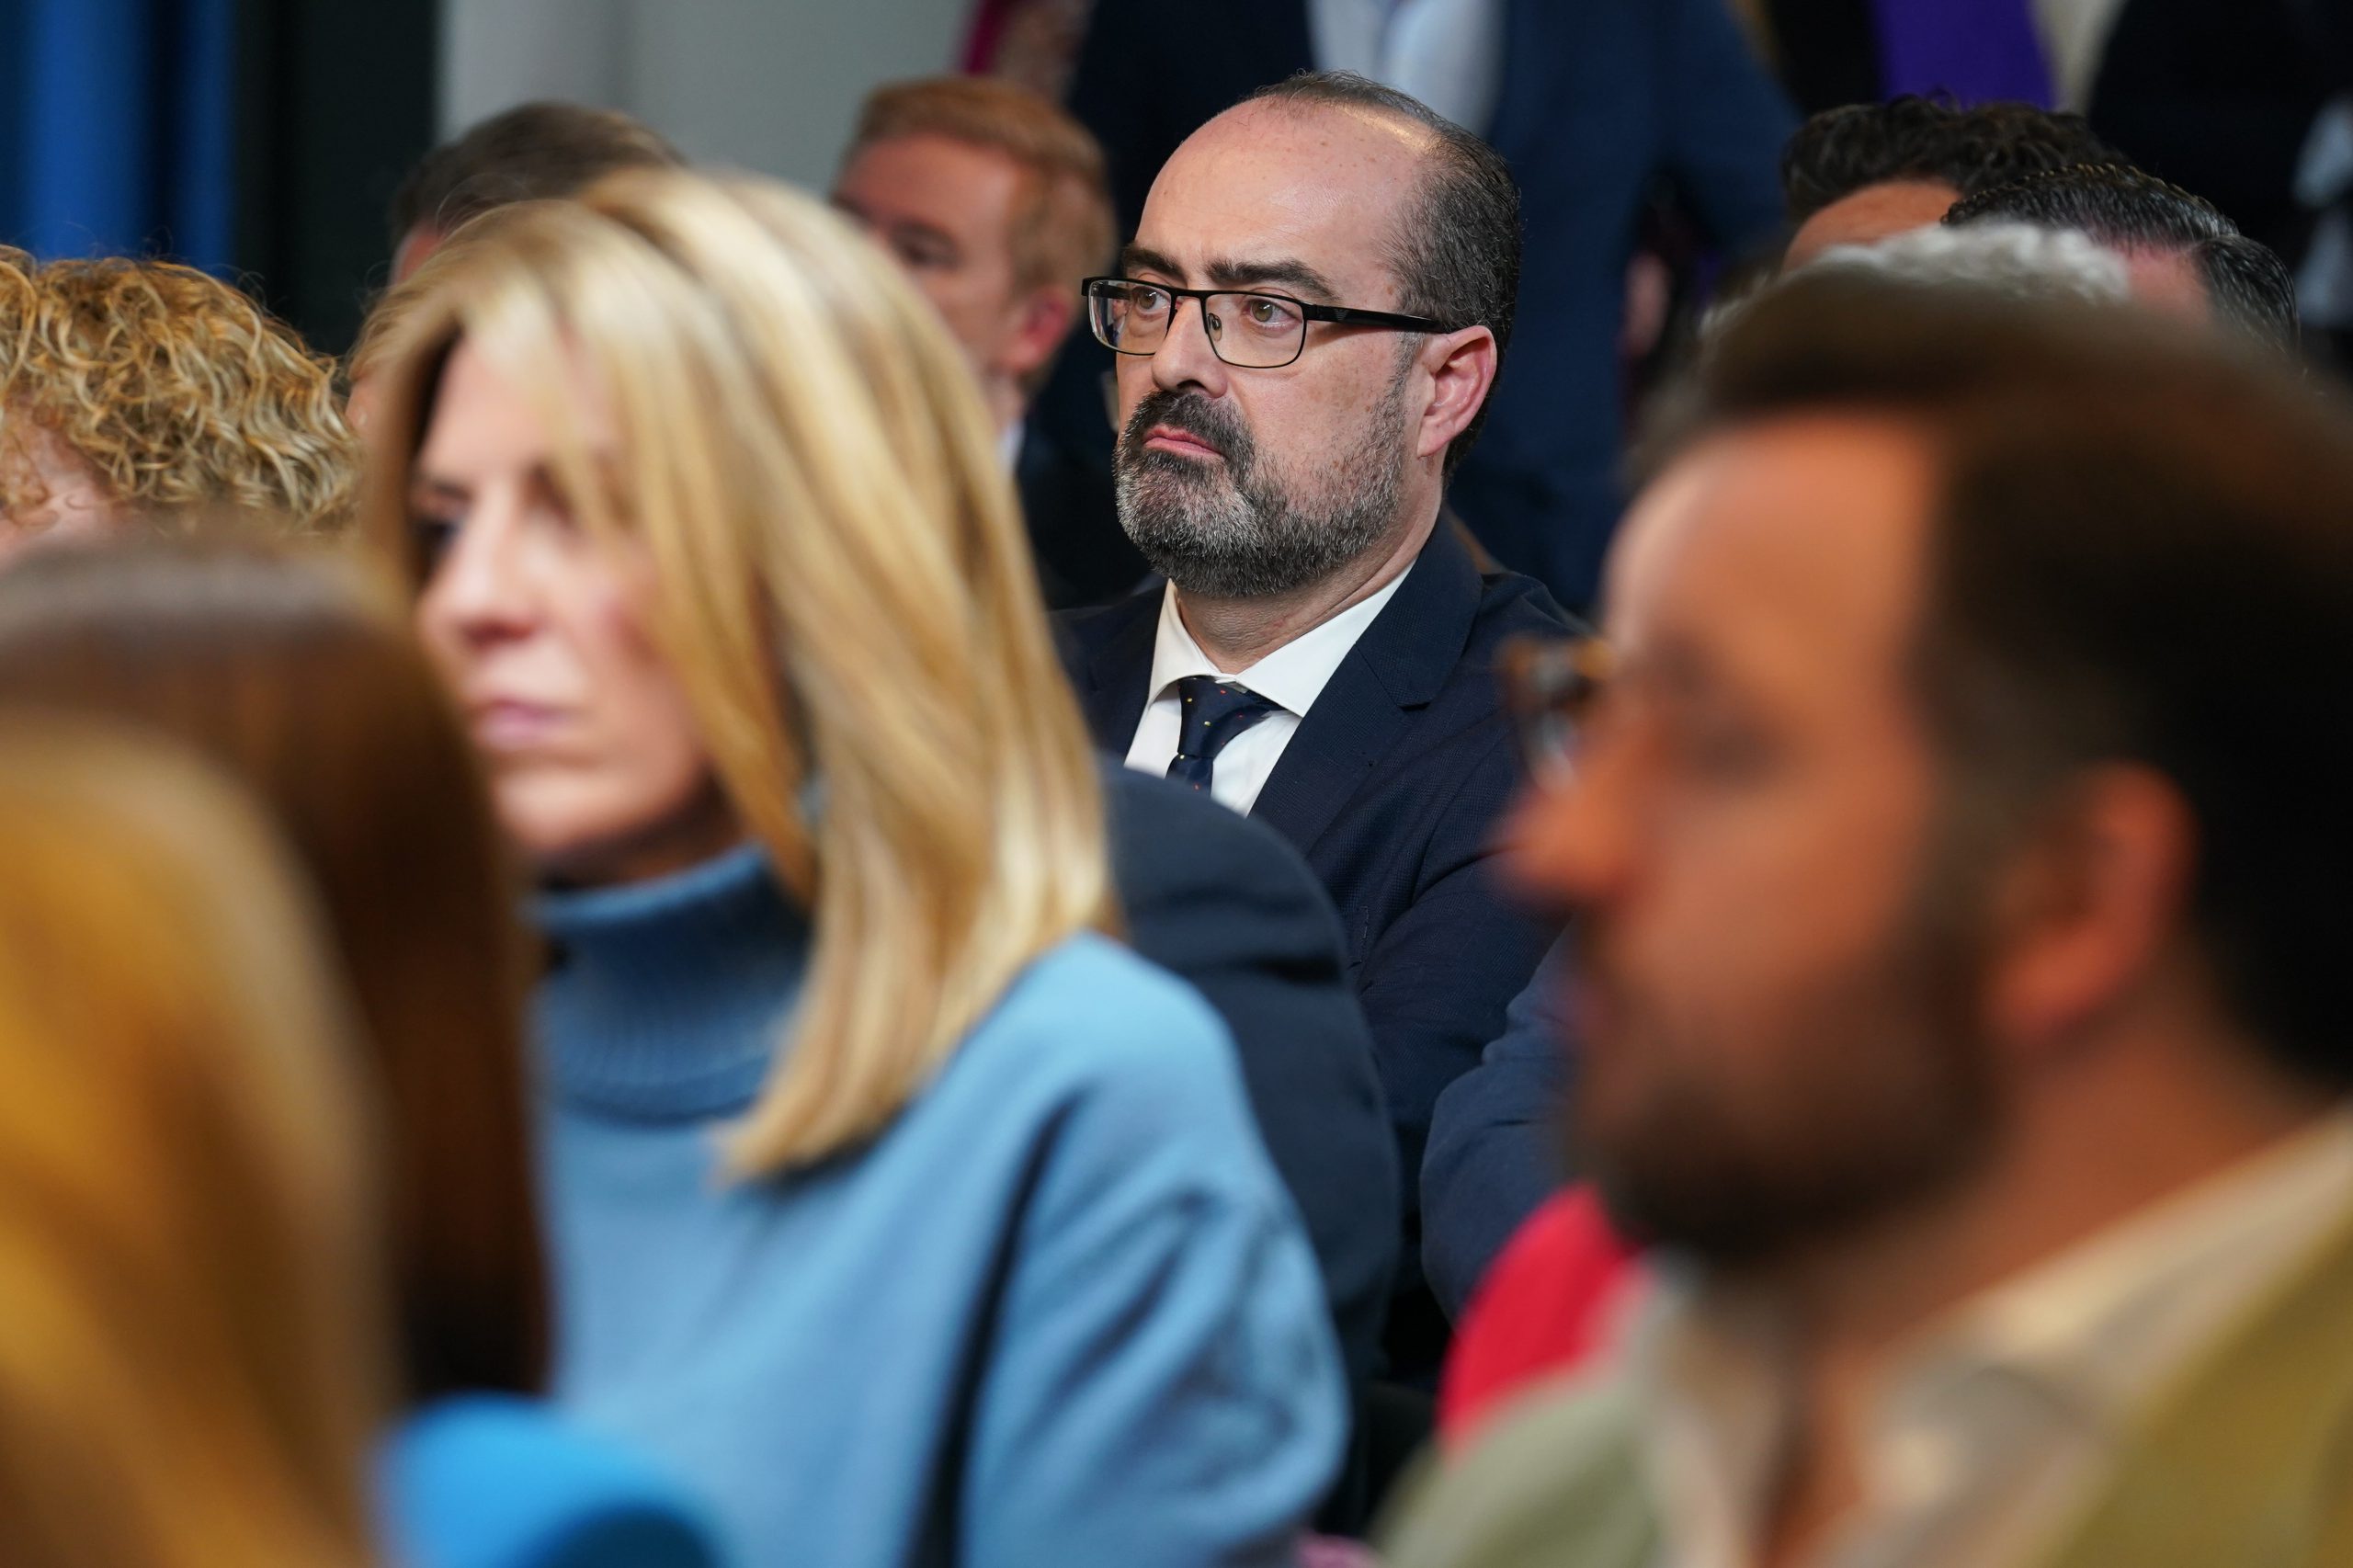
(1213, 713)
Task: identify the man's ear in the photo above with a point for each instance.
(1042, 319)
(1461, 366)
(2092, 908)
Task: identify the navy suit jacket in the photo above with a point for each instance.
(1498, 1145)
(1392, 787)
(1602, 103)
(1228, 907)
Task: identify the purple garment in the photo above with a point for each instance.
(1976, 50)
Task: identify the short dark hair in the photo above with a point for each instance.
(533, 152)
(2139, 553)
(1846, 149)
(1457, 253)
(2126, 208)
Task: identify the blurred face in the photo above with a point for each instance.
(62, 496)
(415, 246)
(2168, 281)
(1773, 1004)
(945, 210)
(1249, 483)
(599, 772)
(1869, 215)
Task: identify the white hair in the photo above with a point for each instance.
(2019, 260)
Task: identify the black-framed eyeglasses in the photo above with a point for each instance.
(1550, 685)
(1247, 328)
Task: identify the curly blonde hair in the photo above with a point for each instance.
(181, 396)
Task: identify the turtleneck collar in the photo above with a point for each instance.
(667, 999)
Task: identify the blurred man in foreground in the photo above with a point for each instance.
(994, 200)
(1958, 963)
(1495, 1153)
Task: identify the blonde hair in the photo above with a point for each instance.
(842, 583)
(16, 313)
(1063, 228)
(177, 392)
(193, 1367)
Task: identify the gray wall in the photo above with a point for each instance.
(764, 85)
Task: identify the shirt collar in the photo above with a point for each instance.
(2097, 1320)
(2091, 1334)
(1292, 675)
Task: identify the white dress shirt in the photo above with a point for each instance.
(1998, 1427)
(1292, 675)
(1449, 54)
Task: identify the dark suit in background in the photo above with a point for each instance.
(1602, 102)
(1392, 788)
(1498, 1140)
(2217, 96)
(1227, 907)
(1083, 557)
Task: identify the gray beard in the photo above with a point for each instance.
(1232, 530)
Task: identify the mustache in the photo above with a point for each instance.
(1214, 426)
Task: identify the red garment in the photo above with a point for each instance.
(1543, 1308)
(984, 35)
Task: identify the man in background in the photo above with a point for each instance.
(994, 202)
(2184, 255)
(1856, 174)
(1959, 963)
(1307, 326)
(530, 153)
(1595, 107)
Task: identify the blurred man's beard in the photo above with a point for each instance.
(1887, 1099)
(1231, 529)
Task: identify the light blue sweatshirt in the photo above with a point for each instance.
(1060, 1313)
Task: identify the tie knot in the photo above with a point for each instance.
(1212, 711)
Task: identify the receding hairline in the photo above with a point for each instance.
(1420, 139)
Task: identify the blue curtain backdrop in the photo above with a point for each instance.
(118, 132)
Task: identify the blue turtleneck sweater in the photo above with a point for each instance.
(1060, 1313)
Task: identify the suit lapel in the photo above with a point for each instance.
(1400, 664)
(2249, 1459)
(1116, 654)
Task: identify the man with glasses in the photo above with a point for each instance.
(1959, 973)
(1308, 325)
(1597, 107)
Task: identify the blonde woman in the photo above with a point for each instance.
(909, 1215)
(194, 1362)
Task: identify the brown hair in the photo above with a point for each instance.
(192, 1375)
(1063, 228)
(531, 152)
(2139, 553)
(177, 392)
(316, 696)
